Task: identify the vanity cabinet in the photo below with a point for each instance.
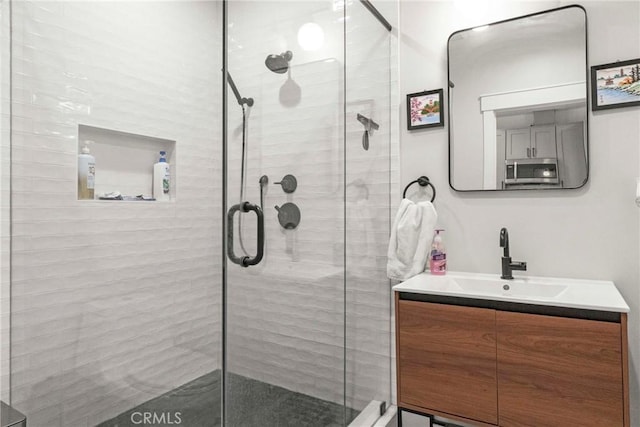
(492, 366)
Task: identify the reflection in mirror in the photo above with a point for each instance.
(518, 103)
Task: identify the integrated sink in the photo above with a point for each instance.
(510, 288)
(572, 293)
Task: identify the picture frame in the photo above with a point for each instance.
(615, 85)
(425, 109)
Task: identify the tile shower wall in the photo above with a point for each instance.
(5, 221)
(286, 316)
(113, 303)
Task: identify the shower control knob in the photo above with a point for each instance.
(289, 183)
(288, 215)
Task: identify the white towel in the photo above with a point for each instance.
(410, 241)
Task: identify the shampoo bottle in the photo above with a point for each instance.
(86, 173)
(161, 178)
(438, 256)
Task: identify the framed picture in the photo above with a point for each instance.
(425, 109)
(615, 85)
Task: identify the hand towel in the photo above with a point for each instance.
(410, 240)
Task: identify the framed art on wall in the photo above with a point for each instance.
(425, 109)
(615, 85)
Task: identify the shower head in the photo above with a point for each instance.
(279, 63)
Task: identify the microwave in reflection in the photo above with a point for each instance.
(531, 171)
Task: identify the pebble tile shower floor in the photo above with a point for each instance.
(251, 404)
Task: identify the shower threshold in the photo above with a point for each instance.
(250, 403)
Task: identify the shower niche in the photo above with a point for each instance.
(124, 162)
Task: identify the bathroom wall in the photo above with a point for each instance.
(287, 315)
(113, 303)
(590, 233)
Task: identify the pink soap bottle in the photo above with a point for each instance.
(438, 255)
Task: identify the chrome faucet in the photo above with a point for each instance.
(507, 265)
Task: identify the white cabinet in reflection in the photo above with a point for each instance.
(518, 143)
(531, 142)
(543, 141)
(549, 143)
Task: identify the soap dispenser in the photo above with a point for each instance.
(438, 255)
(86, 173)
(161, 178)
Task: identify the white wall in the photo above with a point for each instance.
(113, 303)
(592, 232)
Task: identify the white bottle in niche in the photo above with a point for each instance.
(162, 178)
(86, 173)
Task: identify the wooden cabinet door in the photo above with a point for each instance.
(543, 142)
(555, 371)
(447, 359)
(518, 143)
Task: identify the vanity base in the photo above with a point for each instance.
(489, 363)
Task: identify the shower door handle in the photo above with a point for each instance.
(245, 261)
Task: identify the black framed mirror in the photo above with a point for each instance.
(518, 109)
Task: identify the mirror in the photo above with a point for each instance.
(518, 103)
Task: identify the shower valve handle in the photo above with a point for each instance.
(289, 183)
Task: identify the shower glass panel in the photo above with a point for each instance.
(308, 327)
(285, 315)
(116, 304)
(371, 158)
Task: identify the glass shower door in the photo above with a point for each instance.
(371, 171)
(285, 196)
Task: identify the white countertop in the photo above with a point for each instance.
(599, 295)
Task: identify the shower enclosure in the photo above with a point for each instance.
(256, 296)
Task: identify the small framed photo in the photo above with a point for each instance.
(615, 85)
(425, 109)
